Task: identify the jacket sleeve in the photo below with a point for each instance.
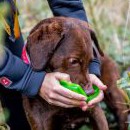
(75, 9)
(68, 8)
(21, 76)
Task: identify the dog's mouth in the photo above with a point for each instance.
(88, 89)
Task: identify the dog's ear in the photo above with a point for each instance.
(95, 43)
(42, 42)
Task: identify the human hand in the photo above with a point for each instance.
(96, 81)
(55, 94)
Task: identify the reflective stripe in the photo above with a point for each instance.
(25, 56)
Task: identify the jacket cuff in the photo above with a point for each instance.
(34, 84)
(95, 67)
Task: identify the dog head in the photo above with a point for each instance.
(62, 45)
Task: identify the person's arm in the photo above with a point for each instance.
(19, 75)
(68, 8)
(75, 9)
(22, 78)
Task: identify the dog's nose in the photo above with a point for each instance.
(89, 89)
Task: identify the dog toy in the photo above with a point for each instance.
(78, 89)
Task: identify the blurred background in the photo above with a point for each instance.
(107, 18)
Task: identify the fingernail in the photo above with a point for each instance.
(83, 98)
(90, 104)
(84, 108)
(82, 104)
(105, 87)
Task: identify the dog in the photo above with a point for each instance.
(69, 41)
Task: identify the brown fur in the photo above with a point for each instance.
(65, 45)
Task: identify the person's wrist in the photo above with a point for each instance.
(95, 67)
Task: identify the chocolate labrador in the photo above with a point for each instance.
(65, 45)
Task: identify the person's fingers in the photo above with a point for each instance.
(69, 94)
(67, 101)
(55, 94)
(57, 88)
(62, 76)
(61, 104)
(96, 81)
(66, 92)
(96, 100)
(84, 108)
(92, 106)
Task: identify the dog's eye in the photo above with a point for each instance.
(73, 61)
